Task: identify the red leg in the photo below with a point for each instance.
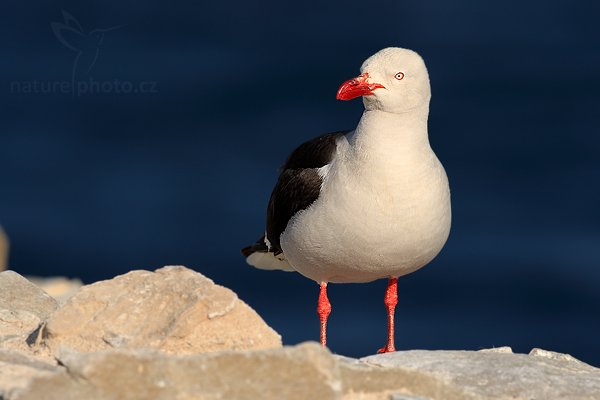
(390, 301)
(323, 309)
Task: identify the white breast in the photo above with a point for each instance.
(384, 211)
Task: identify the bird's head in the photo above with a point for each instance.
(392, 80)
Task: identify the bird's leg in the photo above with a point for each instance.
(390, 301)
(323, 309)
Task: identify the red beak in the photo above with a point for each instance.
(356, 87)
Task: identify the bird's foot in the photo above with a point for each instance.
(389, 348)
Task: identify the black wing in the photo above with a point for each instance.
(315, 153)
(299, 184)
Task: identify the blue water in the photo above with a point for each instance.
(97, 179)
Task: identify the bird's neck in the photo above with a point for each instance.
(388, 136)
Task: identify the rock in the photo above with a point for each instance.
(23, 309)
(60, 288)
(17, 324)
(308, 371)
(173, 333)
(3, 250)
(503, 349)
(496, 375)
(174, 310)
(301, 372)
(552, 355)
(18, 371)
(364, 381)
(17, 293)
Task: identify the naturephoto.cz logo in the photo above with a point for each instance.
(85, 48)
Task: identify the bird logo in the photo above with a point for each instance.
(85, 45)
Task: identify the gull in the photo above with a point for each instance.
(366, 204)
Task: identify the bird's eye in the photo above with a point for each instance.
(399, 76)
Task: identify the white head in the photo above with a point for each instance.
(393, 80)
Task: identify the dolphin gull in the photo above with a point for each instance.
(365, 204)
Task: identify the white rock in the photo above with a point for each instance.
(18, 371)
(503, 349)
(535, 352)
(308, 371)
(291, 373)
(23, 309)
(174, 334)
(17, 293)
(481, 375)
(175, 310)
(16, 323)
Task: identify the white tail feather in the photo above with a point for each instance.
(268, 261)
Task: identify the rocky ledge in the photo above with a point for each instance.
(174, 334)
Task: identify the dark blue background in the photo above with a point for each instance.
(96, 184)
